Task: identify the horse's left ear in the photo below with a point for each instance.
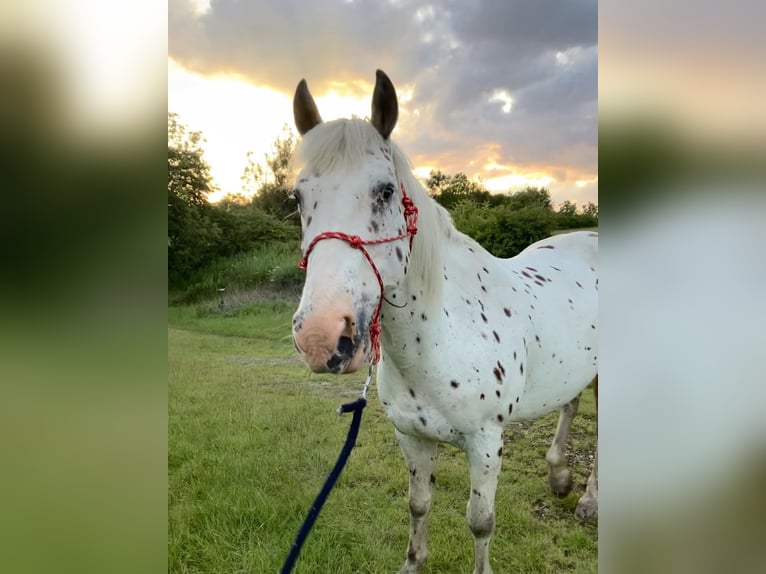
(385, 107)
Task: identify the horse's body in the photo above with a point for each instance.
(505, 329)
(469, 341)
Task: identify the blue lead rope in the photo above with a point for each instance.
(356, 407)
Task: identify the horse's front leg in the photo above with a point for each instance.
(420, 455)
(485, 456)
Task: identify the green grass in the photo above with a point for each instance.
(272, 267)
(252, 435)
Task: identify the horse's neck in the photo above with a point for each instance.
(407, 319)
(411, 321)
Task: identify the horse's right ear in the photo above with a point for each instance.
(304, 109)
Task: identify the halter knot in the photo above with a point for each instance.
(375, 340)
(355, 241)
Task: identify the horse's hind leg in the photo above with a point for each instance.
(421, 459)
(587, 506)
(559, 478)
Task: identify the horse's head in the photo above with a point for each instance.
(346, 183)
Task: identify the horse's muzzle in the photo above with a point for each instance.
(328, 345)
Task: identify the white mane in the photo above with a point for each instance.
(343, 144)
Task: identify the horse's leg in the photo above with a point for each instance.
(485, 456)
(559, 479)
(420, 455)
(587, 506)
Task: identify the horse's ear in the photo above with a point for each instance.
(304, 109)
(385, 107)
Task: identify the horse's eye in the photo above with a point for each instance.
(387, 191)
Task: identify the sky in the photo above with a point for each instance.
(503, 90)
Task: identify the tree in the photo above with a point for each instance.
(591, 210)
(269, 184)
(568, 208)
(192, 234)
(451, 190)
(531, 197)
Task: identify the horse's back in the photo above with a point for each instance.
(573, 245)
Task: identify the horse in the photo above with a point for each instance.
(466, 341)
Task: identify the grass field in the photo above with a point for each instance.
(252, 435)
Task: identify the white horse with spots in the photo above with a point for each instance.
(469, 341)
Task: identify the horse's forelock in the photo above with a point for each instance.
(337, 144)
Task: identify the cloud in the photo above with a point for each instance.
(539, 55)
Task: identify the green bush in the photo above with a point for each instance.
(503, 230)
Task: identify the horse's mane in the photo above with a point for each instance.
(343, 144)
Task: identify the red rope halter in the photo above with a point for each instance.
(411, 218)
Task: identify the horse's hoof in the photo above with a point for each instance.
(587, 510)
(561, 485)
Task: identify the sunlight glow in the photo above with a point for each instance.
(335, 104)
(494, 166)
(234, 116)
(581, 183)
(423, 171)
(517, 181)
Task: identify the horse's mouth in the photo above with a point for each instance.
(347, 358)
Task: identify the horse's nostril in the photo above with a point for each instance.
(350, 326)
(334, 362)
(345, 346)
